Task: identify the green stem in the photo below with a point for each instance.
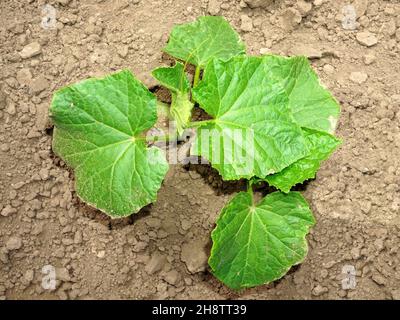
(196, 76)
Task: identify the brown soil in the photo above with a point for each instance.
(355, 197)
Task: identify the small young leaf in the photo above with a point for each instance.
(204, 39)
(321, 145)
(98, 132)
(254, 244)
(174, 78)
(253, 132)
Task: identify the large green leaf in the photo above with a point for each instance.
(321, 145)
(99, 125)
(254, 244)
(204, 39)
(175, 79)
(253, 132)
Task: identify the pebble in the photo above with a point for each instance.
(328, 69)
(396, 294)
(304, 7)
(24, 76)
(7, 210)
(358, 77)
(367, 39)
(155, 264)
(290, 18)
(194, 256)
(31, 50)
(246, 24)
(319, 290)
(62, 274)
(379, 279)
(172, 277)
(306, 50)
(14, 243)
(214, 7)
(369, 59)
(39, 84)
(259, 3)
(360, 7)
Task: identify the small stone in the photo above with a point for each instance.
(11, 110)
(28, 276)
(369, 59)
(44, 174)
(194, 256)
(319, 290)
(7, 210)
(214, 7)
(155, 264)
(24, 76)
(247, 23)
(39, 84)
(186, 224)
(290, 18)
(78, 237)
(265, 51)
(62, 274)
(123, 51)
(304, 7)
(153, 223)
(14, 243)
(31, 50)
(172, 277)
(101, 254)
(367, 39)
(306, 50)
(379, 279)
(259, 3)
(328, 69)
(390, 28)
(360, 7)
(358, 77)
(396, 294)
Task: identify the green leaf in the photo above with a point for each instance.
(254, 244)
(321, 145)
(204, 39)
(311, 104)
(99, 126)
(175, 79)
(253, 132)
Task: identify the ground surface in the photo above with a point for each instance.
(355, 197)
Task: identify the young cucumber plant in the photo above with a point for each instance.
(270, 120)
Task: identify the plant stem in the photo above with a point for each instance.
(196, 76)
(250, 190)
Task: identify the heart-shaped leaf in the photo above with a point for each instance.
(254, 244)
(204, 39)
(253, 132)
(99, 126)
